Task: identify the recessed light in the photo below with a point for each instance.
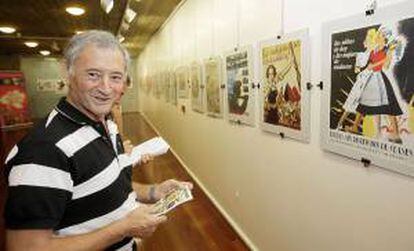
(31, 44)
(107, 5)
(76, 11)
(7, 29)
(45, 53)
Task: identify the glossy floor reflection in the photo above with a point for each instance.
(194, 226)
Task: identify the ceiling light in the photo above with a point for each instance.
(79, 32)
(76, 11)
(7, 29)
(31, 44)
(45, 53)
(107, 5)
(130, 15)
(121, 39)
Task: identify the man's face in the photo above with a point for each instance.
(96, 80)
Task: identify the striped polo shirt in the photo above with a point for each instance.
(68, 174)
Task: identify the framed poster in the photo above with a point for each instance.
(62, 86)
(147, 83)
(285, 70)
(158, 84)
(367, 109)
(182, 81)
(152, 84)
(166, 85)
(46, 85)
(197, 88)
(213, 86)
(173, 87)
(14, 107)
(240, 94)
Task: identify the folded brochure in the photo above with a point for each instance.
(155, 147)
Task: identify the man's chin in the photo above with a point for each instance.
(101, 112)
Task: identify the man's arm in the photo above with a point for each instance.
(140, 223)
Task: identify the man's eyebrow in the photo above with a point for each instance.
(110, 72)
(117, 72)
(93, 69)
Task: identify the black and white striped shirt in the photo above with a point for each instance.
(69, 175)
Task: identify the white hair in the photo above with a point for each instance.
(102, 39)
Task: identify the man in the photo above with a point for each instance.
(69, 182)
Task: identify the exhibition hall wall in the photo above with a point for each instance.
(278, 193)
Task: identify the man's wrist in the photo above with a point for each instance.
(121, 229)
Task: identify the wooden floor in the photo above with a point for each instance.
(194, 226)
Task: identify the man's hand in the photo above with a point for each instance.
(164, 188)
(127, 146)
(142, 223)
(146, 158)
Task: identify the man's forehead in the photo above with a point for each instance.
(101, 58)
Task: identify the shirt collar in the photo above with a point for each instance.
(72, 113)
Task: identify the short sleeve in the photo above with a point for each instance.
(40, 186)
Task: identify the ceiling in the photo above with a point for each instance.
(47, 22)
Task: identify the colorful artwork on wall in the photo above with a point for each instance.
(368, 102)
(284, 64)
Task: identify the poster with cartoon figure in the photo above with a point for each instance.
(214, 94)
(182, 76)
(173, 87)
(197, 88)
(240, 94)
(284, 68)
(369, 100)
(166, 84)
(158, 85)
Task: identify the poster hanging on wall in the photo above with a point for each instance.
(14, 107)
(197, 88)
(166, 85)
(367, 107)
(152, 84)
(213, 84)
(240, 94)
(285, 70)
(146, 84)
(173, 87)
(182, 81)
(62, 86)
(46, 85)
(158, 85)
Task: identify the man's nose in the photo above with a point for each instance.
(105, 82)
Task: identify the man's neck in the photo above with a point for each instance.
(85, 111)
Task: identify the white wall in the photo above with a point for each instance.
(284, 195)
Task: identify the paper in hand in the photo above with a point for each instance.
(172, 200)
(155, 146)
